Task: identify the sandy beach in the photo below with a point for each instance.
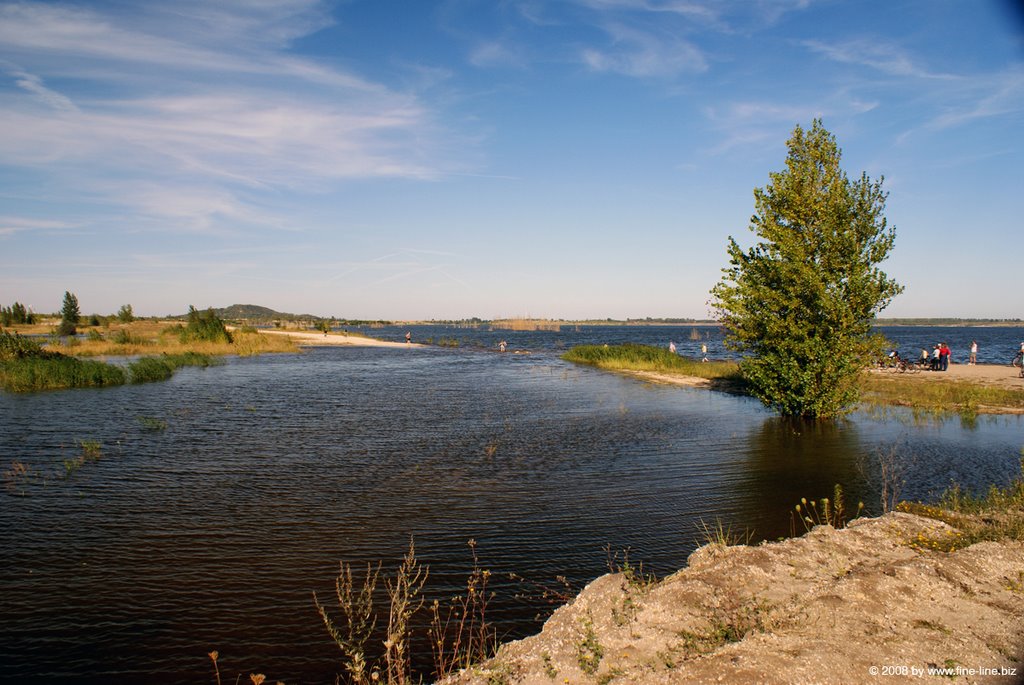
(316, 339)
(996, 375)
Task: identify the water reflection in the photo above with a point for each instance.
(790, 459)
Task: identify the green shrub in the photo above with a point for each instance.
(13, 346)
(204, 327)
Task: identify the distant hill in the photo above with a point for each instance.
(254, 312)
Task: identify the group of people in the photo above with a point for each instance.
(940, 356)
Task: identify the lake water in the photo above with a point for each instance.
(224, 497)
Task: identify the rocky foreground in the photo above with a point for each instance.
(873, 602)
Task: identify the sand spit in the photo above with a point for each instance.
(317, 339)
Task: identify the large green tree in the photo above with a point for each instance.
(799, 304)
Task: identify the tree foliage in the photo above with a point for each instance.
(125, 314)
(69, 315)
(799, 304)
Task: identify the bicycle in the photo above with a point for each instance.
(897, 364)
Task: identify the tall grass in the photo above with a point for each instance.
(633, 357)
(26, 366)
(460, 633)
(53, 373)
(145, 338)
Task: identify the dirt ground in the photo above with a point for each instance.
(871, 603)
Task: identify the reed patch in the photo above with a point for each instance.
(633, 357)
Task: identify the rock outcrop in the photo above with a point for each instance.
(874, 602)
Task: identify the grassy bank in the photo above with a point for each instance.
(631, 357)
(26, 366)
(939, 397)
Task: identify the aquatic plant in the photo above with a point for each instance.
(150, 369)
(17, 477)
(151, 423)
(91, 451)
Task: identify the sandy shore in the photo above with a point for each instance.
(998, 375)
(315, 339)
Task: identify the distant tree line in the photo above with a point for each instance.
(17, 313)
(70, 315)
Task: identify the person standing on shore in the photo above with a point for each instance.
(408, 337)
(703, 352)
(974, 353)
(671, 347)
(944, 353)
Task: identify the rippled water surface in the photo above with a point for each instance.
(213, 531)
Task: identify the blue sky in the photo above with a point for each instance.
(416, 160)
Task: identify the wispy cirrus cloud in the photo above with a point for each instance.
(878, 55)
(173, 95)
(953, 98)
(644, 53)
(10, 225)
